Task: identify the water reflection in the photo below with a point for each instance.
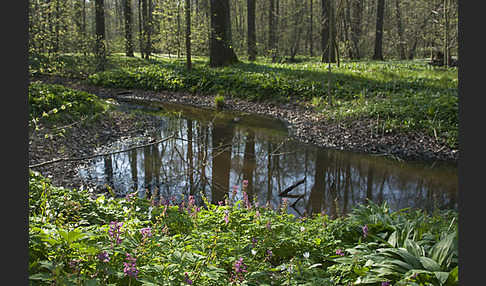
(215, 151)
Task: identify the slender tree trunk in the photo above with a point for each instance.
(311, 32)
(401, 44)
(140, 29)
(220, 48)
(144, 29)
(446, 33)
(356, 11)
(378, 55)
(149, 21)
(128, 28)
(251, 30)
(188, 34)
(100, 48)
(271, 29)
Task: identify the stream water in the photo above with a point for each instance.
(214, 151)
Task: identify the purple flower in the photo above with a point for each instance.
(186, 279)
(247, 201)
(129, 197)
(340, 252)
(226, 216)
(130, 267)
(240, 267)
(245, 184)
(365, 230)
(220, 203)
(269, 253)
(386, 283)
(104, 257)
(254, 241)
(192, 202)
(115, 231)
(146, 232)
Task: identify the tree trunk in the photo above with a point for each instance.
(311, 25)
(271, 29)
(128, 28)
(140, 29)
(144, 29)
(401, 44)
(220, 48)
(378, 55)
(188, 35)
(149, 26)
(356, 11)
(328, 50)
(251, 30)
(100, 47)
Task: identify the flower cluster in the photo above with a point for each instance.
(146, 232)
(115, 231)
(104, 257)
(365, 231)
(339, 252)
(186, 279)
(130, 267)
(240, 267)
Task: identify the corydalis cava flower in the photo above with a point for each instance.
(130, 267)
(115, 231)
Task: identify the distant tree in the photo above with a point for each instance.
(271, 29)
(128, 28)
(100, 46)
(251, 30)
(378, 55)
(220, 48)
(188, 34)
(327, 38)
(356, 17)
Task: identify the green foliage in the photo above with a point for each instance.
(219, 101)
(398, 96)
(73, 239)
(56, 102)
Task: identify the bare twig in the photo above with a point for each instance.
(98, 155)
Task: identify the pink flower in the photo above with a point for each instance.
(226, 217)
(245, 184)
(339, 252)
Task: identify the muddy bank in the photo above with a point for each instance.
(83, 139)
(305, 124)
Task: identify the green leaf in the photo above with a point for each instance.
(41, 276)
(441, 251)
(429, 264)
(441, 276)
(453, 278)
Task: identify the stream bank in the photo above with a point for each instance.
(304, 123)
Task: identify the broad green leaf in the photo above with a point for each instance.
(441, 276)
(429, 264)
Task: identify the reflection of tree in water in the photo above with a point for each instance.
(222, 139)
(228, 153)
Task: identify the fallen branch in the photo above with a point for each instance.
(287, 190)
(99, 155)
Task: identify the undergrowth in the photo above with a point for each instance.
(78, 238)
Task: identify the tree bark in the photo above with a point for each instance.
(220, 47)
(188, 35)
(100, 47)
(401, 44)
(251, 30)
(128, 28)
(356, 15)
(271, 29)
(378, 55)
(328, 50)
(311, 32)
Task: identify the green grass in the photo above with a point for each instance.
(54, 102)
(71, 233)
(400, 95)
